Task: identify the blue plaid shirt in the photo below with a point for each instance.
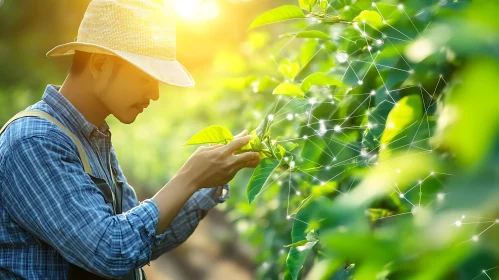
(52, 213)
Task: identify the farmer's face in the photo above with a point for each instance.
(128, 90)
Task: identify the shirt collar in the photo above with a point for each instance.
(58, 102)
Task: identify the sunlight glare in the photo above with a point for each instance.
(197, 10)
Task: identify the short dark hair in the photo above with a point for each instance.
(80, 59)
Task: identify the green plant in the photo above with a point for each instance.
(396, 124)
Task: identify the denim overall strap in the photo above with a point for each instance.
(75, 272)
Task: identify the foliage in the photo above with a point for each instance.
(396, 128)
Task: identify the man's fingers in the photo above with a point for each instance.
(245, 157)
(244, 133)
(237, 144)
(250, 164)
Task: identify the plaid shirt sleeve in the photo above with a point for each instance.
(46, 191)
(184, 224)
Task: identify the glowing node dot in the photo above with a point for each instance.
(458, 223)
(497, 221)
(398, 171)
(360, 82)
(288, 217)
(384, 21)
(379, 42)
(463, 216)
(432, 173)
(347, 8)
(334, 159)
(305, 137)
(411, 71)
(298, 193)
(440, 196)
(363, 34)
(271, 117)
(332, 102)
(475, 238)
(337, 128)
(401, 195)
(415, 210)
(328, 167)
(391, 125)
(369, 48)
(279, 182)
(286, 158)
(373, 92)
(373, 4)
(330, 96)
(387, 91)
(322, 183)
(342, 57)
(400, 7)
(292, 164)
(289, 116)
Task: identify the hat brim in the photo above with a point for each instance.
(167, 71)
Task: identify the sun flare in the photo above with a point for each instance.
(197, 10)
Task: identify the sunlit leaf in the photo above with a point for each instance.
(319, 79)
(289, 69)
(371, 17)
(214, 134)
(260, 176)
(405, 113)
(307, 34)
(286, 12)
(307, 4)
(289, 89)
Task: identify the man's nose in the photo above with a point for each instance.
(153, 93)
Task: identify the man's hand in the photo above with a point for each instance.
(216, 165)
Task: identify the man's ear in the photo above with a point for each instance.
(101, 66)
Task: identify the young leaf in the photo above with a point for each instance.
(260, 176)
(323, 4)
(371, 17)
(319, 79)
(289, 89)
(214, 134)
(286, 12)
(307, 34)
(408, 110)
(307, 4)
(289, 69)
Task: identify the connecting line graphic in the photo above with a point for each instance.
(337, 131)
(484, 272)
(475, 238)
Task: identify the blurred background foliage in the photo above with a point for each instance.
(397, 167)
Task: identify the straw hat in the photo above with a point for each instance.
(141, 32)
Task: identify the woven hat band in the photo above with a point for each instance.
(134, 26)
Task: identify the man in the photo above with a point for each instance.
(66, 208)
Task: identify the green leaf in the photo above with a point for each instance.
(280, 151)
(254, 144)
(323, 4)
(307, 34)
(263, 129)
(319, 79)
(307, 4)
(371, 17)
(286, 12)
(260, 176)
(289, 89)
(289, 69)
(407, 111)
(289, 146)
(214, 134)
(297, 254)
